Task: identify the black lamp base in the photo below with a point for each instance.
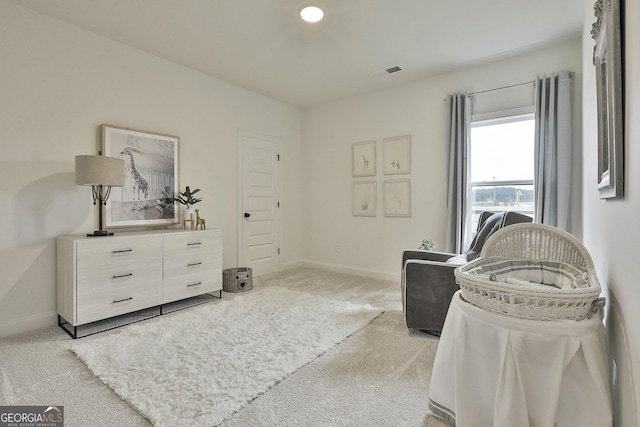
(100, 198)
(100, 233)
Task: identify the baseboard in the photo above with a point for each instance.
(293, 264)
(26, 324)
(374, 274)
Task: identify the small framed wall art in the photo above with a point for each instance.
(364, 158)
(364, 198)
(150, 178)
(397, 197)
(397, 155)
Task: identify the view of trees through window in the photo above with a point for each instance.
(503, 196)
(501, 167)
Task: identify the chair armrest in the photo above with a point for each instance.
(427, 268)
(425, 255)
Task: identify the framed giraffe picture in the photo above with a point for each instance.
(364, 158)
(150, 178)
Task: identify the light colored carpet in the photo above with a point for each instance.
(206, 363)
(379, 376)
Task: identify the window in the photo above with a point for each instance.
(501, 166)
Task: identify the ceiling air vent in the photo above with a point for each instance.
(388, 71)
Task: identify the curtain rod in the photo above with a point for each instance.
(571, 74)
(498, 88)
(495, 89)
(501, 88)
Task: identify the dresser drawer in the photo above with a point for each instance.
(191, 264)
(186, 287)
(97, 279)
(101, 251)
(116, 300)
(192, 242)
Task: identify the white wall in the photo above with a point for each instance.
(58, 83)
(611, 231)
(373, 245)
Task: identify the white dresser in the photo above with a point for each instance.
(103, 277)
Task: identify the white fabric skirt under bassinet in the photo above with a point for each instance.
(497, 370)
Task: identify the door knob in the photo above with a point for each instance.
(247, 214)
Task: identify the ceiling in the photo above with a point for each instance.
(262, 45)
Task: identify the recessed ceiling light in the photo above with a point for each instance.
(311, 13)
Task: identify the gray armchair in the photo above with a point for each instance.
(428, 282)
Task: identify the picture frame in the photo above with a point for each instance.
(364, 158)
(608, 60)
(397, 155)
(364, 198)
(397, 198)
(150, 178)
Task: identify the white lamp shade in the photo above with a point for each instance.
(99, 170)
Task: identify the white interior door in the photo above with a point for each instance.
(259, 208)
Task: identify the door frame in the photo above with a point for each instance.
(240, 209)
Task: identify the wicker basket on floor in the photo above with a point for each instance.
(535, 244)
(238, 279)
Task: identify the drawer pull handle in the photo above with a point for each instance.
(194, 244)
(194, 284)
(118, 276)
(193, 264)
(122, 300)
(121, 251)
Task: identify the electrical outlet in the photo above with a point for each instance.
(338, 249)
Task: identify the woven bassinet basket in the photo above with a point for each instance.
(535, 244)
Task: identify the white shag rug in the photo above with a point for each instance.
(199, 366)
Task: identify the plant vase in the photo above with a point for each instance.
(187, 200)
(188, 218)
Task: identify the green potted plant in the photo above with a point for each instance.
(187, 200)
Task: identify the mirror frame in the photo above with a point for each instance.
(607, 59)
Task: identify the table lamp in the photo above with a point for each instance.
(101, 173)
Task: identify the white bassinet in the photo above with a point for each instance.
(532, 271)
